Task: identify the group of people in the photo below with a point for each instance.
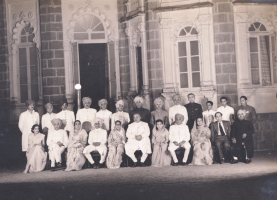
(159, 133)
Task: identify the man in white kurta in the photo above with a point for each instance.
(46, 119)
(121, 116)
(104, 114)
(138, 139)
(26, 120)
(208, 115)
(66, 116)
(177, 108)
(86, 115)
(179, 136)
(97, 141)
(227, 111)
(57, 141)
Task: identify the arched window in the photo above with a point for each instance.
(28, 65)
(262, 55)
(188, 58)
(89, 27)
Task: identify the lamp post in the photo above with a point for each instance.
(78, 88)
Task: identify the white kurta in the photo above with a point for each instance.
(208, 115)
(97, 135)
(86, 115)
(26, 120)
(226, 112)
(46, 121)
(180, 110)
(178, 133)
(106, 116)
(121, 116)
(133, 145)
(69, 117)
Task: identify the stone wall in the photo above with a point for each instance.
(153, 50)
(4, 67)
(123, 51)
(52, 51)
(265, 137)
(225, 58)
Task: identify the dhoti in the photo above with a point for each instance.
(133, 145)
(172, 147)
(102, 150)
(55, 152)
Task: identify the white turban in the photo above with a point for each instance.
(138, 99)
(98, 120)
(176, 95)
(53, 121)
(48, 105)
(86, 100)
(159, 99)
(120, 102)
(102, 101)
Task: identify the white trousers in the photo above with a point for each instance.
(102, 150)
(172, 147)
(133, 145)
(55, 152)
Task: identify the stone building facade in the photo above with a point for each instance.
(153, 48)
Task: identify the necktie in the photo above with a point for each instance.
(221, 130)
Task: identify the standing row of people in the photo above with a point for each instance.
(57, 127)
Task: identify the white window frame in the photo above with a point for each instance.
(188, 39)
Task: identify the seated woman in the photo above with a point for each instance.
(36, 155)
(138, 139)
(77, 142)
(97, 142)
(202, 149)
(160, 156)
(116, 142)
(57, 142)
(159, 113)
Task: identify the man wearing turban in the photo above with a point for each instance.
(104, 114)
(97, 141)
(86, 115)
(144, 113)
(46, 119)
(121, 116)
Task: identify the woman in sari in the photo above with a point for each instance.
(116, 142)
(202, 149)
(36, 155)
(160, 156)
(77, 142)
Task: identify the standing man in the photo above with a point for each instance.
(177, 109)
(250, 112)
(194, 110)
(143, 112)
(220, 136)
(67, 117)
(208, 115)
(227, 111)
(242, 138)
(46, 120)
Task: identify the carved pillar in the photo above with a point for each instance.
(69, 79)
(15, 75)
(132, 61)
(242, 45)
(168, 73)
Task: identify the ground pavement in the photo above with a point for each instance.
(257, 180)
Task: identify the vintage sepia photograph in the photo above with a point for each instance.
(138, 99)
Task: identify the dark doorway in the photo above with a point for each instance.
(93, 72)
(139, 70)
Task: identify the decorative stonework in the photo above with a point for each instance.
(181, 24)
(259, 18)
(89, 10)
(241, 17)
(165, 23)
(18, 28)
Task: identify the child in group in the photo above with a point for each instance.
(179, 136)
(104, 114)
(97, 141)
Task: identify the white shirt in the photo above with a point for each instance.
(226, 112)
(97, 135)
(178, 109)
(219, 133)
(55, 136)
(206, 116)
(69, 117)
(86, 115)
(140, 128)
(46, 121)
(121, 116)
(26, 120)
(106, 116)
(179, 133)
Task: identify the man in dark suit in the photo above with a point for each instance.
(220, 136)
(242, 138)
(194, 110)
